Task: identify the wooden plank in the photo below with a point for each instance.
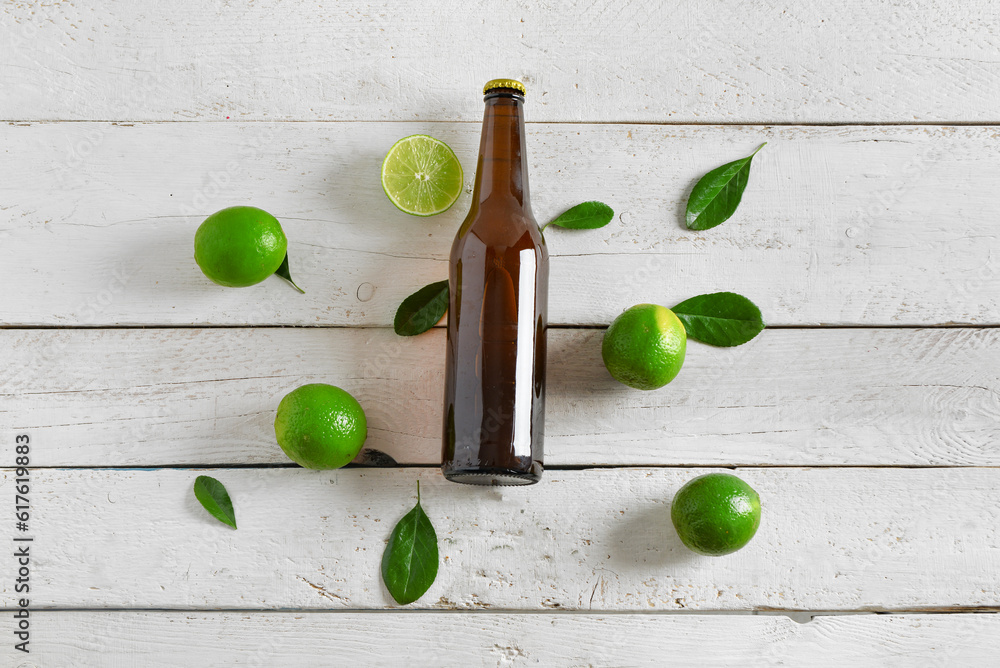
(170, 639)
(601, 539)
(870, 226)
(790, 397)
(642, 60)
(799, 397)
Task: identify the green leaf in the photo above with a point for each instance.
(422, 310)
(720, 318)
(410, 560)
(373, 457)
(286, 274)
(213, 495)
(718, 193)
(585, 216)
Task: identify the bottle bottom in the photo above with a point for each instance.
(494, 477)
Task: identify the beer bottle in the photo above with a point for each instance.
(499, 278)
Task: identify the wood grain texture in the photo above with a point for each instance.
(790, 397)
(874, 226)
(641, 60)
(601, 539)
(849, 226)
(69, 639)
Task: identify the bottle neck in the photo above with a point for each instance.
(502, 170)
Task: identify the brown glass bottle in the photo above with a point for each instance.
(495, 373)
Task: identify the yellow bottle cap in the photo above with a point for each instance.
(503, 83)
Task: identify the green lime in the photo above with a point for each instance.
(239, 246)
(421, 175)
(716, 514)
(320, 426)
(644, 347)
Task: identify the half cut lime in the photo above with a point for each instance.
(421, 175)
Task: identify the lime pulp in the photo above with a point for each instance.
(421, 175)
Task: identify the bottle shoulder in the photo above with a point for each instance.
(515, 235)
(500, 227)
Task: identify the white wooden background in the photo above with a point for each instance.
(867, 415)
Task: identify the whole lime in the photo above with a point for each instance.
(716, 514)
(644, 347)
(320, 426)
(240, 246)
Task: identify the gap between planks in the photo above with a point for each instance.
(943, 325)
(563, 467)
(747, 124)
(795, 615)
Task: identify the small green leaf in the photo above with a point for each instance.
(585, 216)
(213, 495)
(720, 319)
(718, 193)
(373, 457)
(410, 560)
(422, 310)
(286, 274)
